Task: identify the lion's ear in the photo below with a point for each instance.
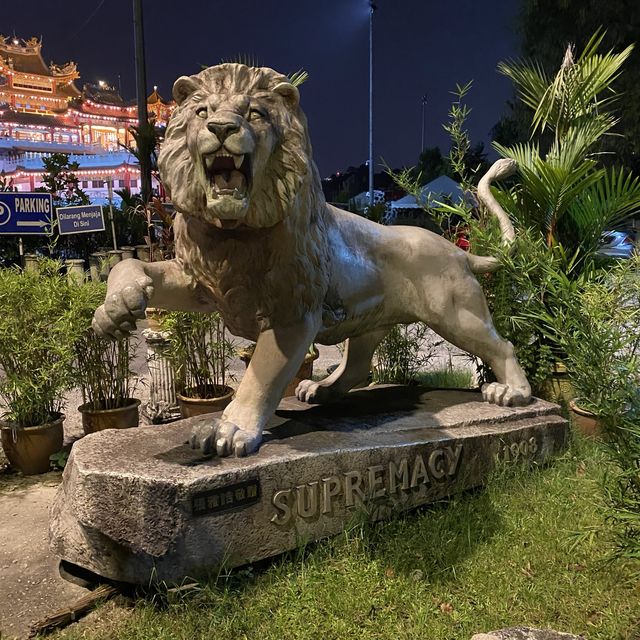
(183, 87)
(290, 94)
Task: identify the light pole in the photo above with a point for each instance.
(372, 8)
(141, 91)
(424, 104)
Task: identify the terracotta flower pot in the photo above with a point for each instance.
(28, 448)
(558, 387)
(143, 252)
(128, 252)
(585, 421)
(191, 405)
(99, 419)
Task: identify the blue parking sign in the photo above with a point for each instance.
(24, 214)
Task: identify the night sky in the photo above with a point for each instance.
(420, 46)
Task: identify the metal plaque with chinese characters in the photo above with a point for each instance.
(231, 496)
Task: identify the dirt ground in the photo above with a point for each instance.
(30, 585)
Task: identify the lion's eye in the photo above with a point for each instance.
(201, 112)
(256, 114)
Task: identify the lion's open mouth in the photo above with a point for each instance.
(228, 175)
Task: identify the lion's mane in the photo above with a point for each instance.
(278, 189)
(276, 270)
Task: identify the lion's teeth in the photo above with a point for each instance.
(237, 160)
(237, 195)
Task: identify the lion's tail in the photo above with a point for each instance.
(483, 264)
(500, 169)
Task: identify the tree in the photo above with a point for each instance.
(61, 182)
(546, 27)
(565, 193)
(431, 165)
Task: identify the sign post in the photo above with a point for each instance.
(113, 226)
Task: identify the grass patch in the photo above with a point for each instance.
(506, 555)
(447, 379)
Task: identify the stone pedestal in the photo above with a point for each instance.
(75, 271)
(99, 266)
(143, 252)
(30, 262)
(139, 504)
(163, 404)
(115, 256)
(128, 252)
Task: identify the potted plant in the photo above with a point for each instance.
(200, 353)
(104, 373)
(594, 320)
(38, 320)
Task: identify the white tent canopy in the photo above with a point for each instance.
(435, 191)
(361, 201)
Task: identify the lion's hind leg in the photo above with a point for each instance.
(352, 371)
(463, 319)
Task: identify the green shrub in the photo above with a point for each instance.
(596, 321)
(39, 321)
(403, 353)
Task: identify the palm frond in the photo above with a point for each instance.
(526, 155)
(575, 91)
(298, 77)
(612, 199)
(579, 140)
(529, 77)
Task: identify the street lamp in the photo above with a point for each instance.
(372, 8)
(424, 104)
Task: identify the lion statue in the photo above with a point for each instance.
(256, 241)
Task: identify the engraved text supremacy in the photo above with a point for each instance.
(353, 487)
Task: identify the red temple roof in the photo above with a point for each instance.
(25, 57)
(155, 97)
(20, 117)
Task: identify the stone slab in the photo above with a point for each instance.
(139, 504)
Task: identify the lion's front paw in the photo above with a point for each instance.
(224, 438)
(315, 392)
(117, 316)
(504, 395)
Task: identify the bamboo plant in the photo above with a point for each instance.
(102, 366)
(38, 321)
(200, 352)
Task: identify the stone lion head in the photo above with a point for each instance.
(236, 149)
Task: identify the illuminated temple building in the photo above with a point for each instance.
(42, 111)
